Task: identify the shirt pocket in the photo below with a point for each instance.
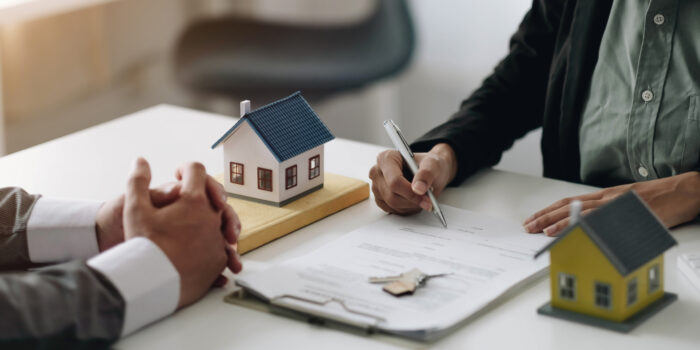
(691, 149)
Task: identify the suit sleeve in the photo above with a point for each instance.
(36, 231)
(88, 305)
(15, 208)
(79, 304)
(509, 103)
(62, 306)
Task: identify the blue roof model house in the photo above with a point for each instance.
(274, 154)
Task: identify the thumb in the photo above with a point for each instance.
(166, 194)
(137, 192)
(428, 167)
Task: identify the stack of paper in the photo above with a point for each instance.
(485, 257)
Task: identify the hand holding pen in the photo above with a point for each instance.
(393, 193)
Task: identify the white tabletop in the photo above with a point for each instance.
(94, 163)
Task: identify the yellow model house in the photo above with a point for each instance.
(606, 269)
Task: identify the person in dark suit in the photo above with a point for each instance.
(148, 253)
(615, 86)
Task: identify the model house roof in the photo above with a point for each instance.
(288, 127)
(626, 231)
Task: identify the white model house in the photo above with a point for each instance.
(274, 154)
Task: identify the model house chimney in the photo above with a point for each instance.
(574, 212)
(245, 107)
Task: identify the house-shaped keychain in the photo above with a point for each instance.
(606, 269)
(274, 154)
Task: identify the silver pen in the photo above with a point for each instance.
(402, 146)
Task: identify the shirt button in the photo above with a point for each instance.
(643, 171)
(647, 95)
(659, 19)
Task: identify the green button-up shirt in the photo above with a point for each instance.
(642, 117)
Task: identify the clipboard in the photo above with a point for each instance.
(249, 299)
(329, 285)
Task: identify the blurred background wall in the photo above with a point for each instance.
(65, 71)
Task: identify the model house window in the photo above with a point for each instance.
(632, 291)
(567, 286)
(291, 176)
(236, 173)
(602, 295)
(265, 179)
(654, 279)
(314, 167)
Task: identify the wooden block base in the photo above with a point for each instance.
(263, 223)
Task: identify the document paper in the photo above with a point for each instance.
(484, 256)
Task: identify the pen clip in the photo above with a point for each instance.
(398, 132)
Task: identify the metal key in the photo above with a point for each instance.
(415, 274)
(412, 274)
(423, 278)
(386, 279)
(405, 283)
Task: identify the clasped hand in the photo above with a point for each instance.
(189, 220)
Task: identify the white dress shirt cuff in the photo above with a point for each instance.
(61, 229)
(145, 277)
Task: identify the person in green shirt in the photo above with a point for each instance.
(639, 126)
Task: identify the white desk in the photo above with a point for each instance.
(94, 163)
